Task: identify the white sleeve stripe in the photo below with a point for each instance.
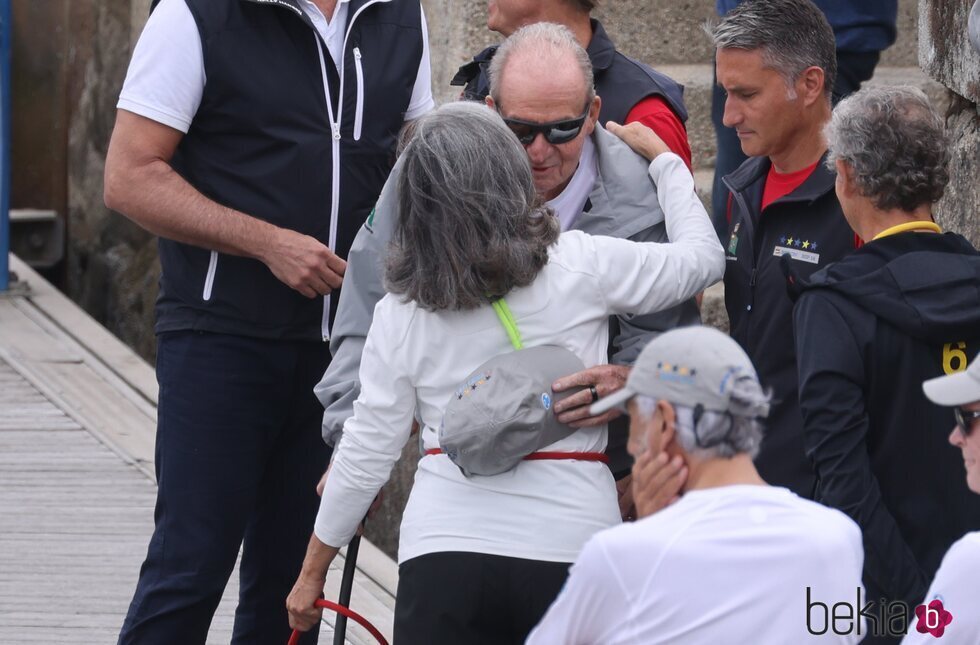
(164, 117)
(416, 111)
(422, 100)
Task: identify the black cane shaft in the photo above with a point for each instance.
(346, 587)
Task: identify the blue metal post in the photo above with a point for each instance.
(5, 33)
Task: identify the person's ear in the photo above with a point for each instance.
(595, 109)
(490, 103)
(845, 178)
(810, 85)
(668, 417)
(593, 117)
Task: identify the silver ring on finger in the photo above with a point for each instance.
(594, 392)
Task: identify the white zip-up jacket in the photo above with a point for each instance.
(414, 359)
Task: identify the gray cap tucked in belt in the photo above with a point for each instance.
(503, 411)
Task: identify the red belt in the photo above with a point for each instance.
(535, 456)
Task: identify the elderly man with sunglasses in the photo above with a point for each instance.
(542, 85)
(956, 586)
(871, 327)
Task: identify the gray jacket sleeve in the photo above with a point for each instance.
(363, 288)
(636, 331)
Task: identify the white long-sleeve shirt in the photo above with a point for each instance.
(414, 359)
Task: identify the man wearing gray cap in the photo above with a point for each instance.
(957, 583)
(733, 560)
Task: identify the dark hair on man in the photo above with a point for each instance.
(792, 34)
(469, 229)
(893, 141)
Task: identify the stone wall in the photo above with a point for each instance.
(112, 269)
(946, 55)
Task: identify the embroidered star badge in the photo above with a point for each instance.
(806, 244)
(790, 241)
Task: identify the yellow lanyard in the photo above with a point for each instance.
(909, 226)
(507, 320)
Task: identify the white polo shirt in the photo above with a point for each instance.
(165, 80)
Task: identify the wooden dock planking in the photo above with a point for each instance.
(77, 425)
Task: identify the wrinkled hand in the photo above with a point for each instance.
(302, 614)
(624, 491)
(640, 138)
(574, 410)
(303, 263)
(657, 482)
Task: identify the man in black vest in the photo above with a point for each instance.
(253, 137)
(776, 61)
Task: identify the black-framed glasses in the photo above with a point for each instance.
(965, 419)
(555, 132)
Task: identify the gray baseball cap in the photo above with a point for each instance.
(689, 366)
(503, 411)
(955, 389)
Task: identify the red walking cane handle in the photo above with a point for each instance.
(350, 613)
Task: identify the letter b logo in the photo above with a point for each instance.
(933, 618)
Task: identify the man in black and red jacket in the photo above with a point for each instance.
(776, 61)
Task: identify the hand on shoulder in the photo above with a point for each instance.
(640, 138)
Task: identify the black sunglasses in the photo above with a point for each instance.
(965, 419)
(555, 132)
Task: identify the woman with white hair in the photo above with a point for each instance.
(481, 557)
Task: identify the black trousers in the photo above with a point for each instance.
(459, 598)
(238, 456)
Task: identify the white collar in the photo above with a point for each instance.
(568, 204)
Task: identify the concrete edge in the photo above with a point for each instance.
(74, 322)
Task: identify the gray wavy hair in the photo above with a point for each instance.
(893, 140)
(469, 227)
(720, 434)
(542, 40)
(792, 34)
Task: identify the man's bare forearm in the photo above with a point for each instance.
(157, 198)
(141, 184)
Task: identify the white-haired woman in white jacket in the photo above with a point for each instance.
(481, 558)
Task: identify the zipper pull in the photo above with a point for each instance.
(336, 131)
(357, 53)
(752, 279)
